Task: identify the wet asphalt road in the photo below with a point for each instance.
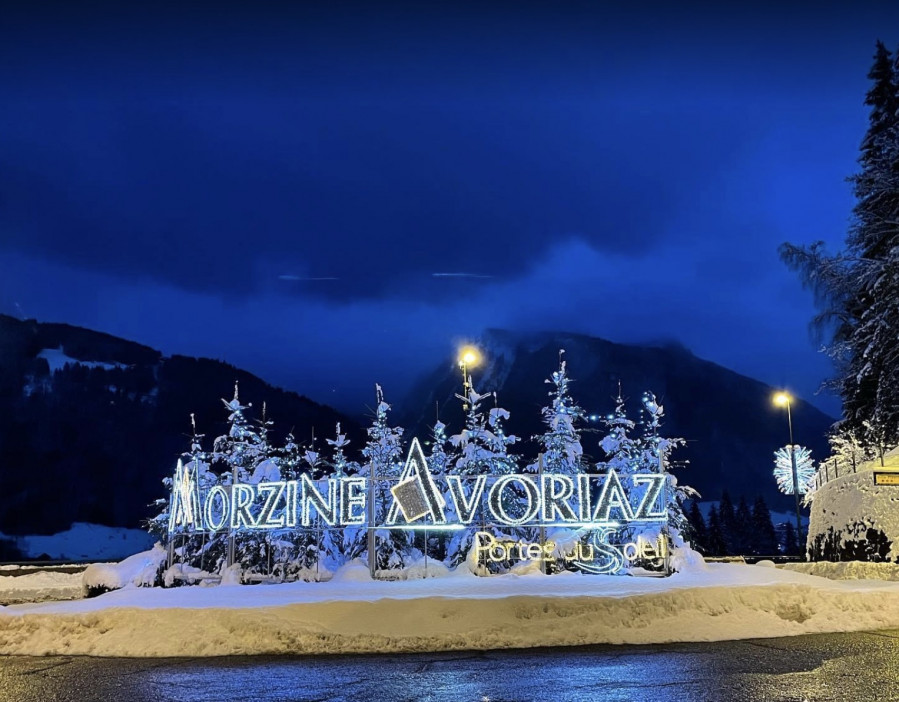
(845, 667)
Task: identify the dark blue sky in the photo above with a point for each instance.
(288, 192)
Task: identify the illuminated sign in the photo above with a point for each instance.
(600, 504)
(882, 478)
(597, 555)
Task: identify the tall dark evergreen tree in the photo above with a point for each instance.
(716, 545)
(856, 289)
(791, 545)
(728, 517)
(699, 533)
(763, 541)
(742, 534)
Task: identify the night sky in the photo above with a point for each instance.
(334, 196)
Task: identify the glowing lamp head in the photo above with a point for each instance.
(782, 399)
(469, 356)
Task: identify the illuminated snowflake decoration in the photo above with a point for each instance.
(783, 469)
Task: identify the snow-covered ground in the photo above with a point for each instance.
(354, 614)
(84, 542)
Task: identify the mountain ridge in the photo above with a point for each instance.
(517, 362)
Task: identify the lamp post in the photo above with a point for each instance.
(468, 357)
(782, 399)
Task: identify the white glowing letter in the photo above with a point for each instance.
(556, 490)
(273, 493)
(466, 508)
(583, 497)
(311, 497)
(650, 506)
(213, 523)
(606, 557)
(291, 509)
(612, 496)
(495, 500)
(352, 496)
(185, 507)
(241, 499)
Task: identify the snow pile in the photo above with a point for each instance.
(426, 568)
(84, 542)
(39, 586)
(844, 510)
(354, 614)
(847, 570)
(139, 570)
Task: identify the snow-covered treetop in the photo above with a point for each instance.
(241, 447)
(561, 442)
(622, 452)
(196, 442)
(338, 456)
(473, 441)
(654, 449)
(384, 448)
(438, 460)
(499, 442)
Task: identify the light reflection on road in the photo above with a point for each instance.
(862, 667)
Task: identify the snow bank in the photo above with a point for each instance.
(847, 570)
(139, 570)
(39, 586)
(354, 615)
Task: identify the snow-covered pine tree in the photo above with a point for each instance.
(560, 443)
(236, 456)
(856, 289)
(472, 443)
(655, 457)
(384, 458)
(499, 443)
(236, 452)
(187, 547)
(561, 451)
(291, 458)
(473, 458)
(266, 458)
(339, 466)
(622, 453)
(440, 460)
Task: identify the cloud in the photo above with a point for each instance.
(379, 159)
(334, 351)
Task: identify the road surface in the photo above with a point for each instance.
(853, 667)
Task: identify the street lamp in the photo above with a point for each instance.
(783, 399)
(468, 356)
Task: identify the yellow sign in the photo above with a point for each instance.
(886, 478)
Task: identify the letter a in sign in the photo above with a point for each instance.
(416, 494)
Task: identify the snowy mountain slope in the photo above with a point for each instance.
(90, 423)
(730, 425)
